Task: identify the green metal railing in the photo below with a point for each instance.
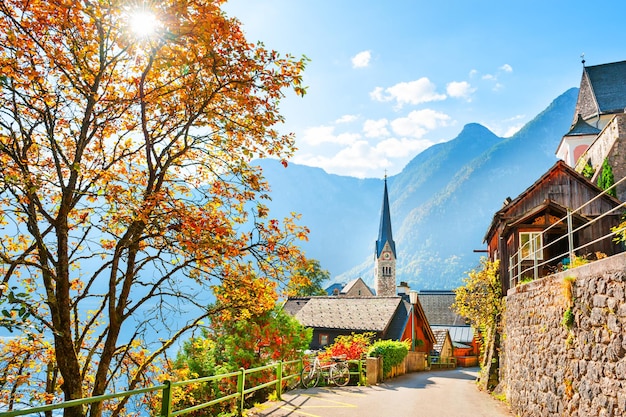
(168, 387)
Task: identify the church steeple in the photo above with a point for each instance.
(384, 232)
(385, 253)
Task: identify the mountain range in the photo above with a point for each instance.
(441, 203)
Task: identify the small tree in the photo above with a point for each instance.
(607, 180)
(307, 280)
(480, 300)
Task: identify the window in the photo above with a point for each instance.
(323, 339)
(531, 245)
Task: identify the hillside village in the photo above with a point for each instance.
(562, 220)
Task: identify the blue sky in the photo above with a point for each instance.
(388, 79)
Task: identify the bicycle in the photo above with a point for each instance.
(338, 372)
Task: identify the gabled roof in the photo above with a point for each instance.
(384, 231)
(348, 287)
(582, 128)
(346, 313)
(559, 166)
(608, 83)
(437, 306)
(440, 339)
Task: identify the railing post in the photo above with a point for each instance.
(360, 366)
(166, 401)
(241, 383)
(279, 380)
(570, 237)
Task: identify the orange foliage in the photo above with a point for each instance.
(127, 181)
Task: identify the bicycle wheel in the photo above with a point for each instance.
(309, 377)
(340, 374)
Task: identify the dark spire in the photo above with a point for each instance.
(384, 233)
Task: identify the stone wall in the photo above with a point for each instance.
(549, 369)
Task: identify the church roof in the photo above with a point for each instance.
(384, 232)
(582, 128)
(608, 82)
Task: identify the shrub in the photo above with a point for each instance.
(352, 346)
(392, 352)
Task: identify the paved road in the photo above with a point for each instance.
(441, 393)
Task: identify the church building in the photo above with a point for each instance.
(385, 253)
(598, 131)
(352, 308)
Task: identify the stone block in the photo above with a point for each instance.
(600, 300)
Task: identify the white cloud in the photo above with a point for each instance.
(359, 159)
(473, 73)
(378, 94)
(361, 60)
(506, 68)
(347, 118)
(417, 123)
(362, 159)
(512, 130)
(412, 92)
(488, 77)
(326, 134)
(376, 128)
(403, 147)
(460, 89)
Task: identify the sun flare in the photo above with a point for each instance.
(143, 23)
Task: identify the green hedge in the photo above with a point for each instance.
(392, 352)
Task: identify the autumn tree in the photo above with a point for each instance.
(480, 300)
(129, 207)
(307, 280)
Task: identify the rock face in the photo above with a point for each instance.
(578, 369)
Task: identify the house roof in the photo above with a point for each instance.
(384, 232)
(440, 339)
(560, 165)
(608, 86)
(458, 334)
(336, 286)
(437, 306)
(346, 289)
(294, 305)
(346, 313)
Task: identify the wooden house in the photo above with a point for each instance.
(443, 350)
(389, 318)
(529, 235)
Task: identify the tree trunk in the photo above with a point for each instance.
(491, 362)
